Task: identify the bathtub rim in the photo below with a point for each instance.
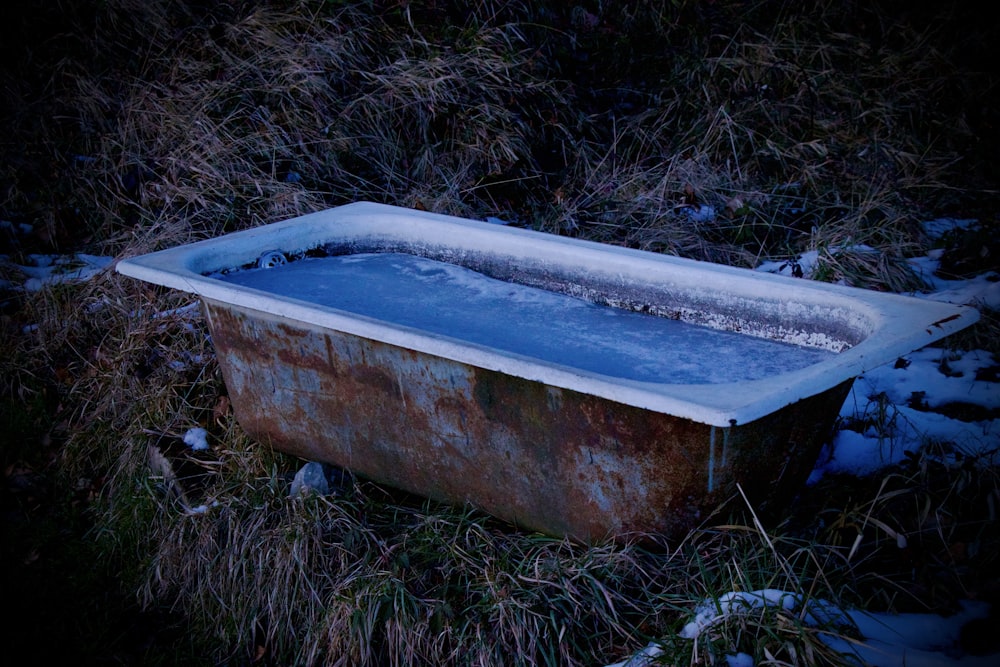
(897, 324)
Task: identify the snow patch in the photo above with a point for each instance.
(47, 270)
(196, 438)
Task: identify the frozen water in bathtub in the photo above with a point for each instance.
(453, 301)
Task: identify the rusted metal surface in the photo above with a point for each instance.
(553, 460)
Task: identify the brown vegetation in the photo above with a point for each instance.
(131, 126)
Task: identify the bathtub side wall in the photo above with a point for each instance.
(547, 459)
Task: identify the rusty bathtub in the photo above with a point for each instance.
(494, 410)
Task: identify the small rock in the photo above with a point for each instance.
(310, 477)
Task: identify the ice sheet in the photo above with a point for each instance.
(450, 300)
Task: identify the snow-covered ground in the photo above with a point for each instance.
(43, 270)
(902, 640)
(891, 410)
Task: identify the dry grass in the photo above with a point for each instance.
(725, 131)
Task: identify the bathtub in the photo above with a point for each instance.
(539, 418)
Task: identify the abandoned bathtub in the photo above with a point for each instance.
(565, 386)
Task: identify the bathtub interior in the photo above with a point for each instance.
(729, 303)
